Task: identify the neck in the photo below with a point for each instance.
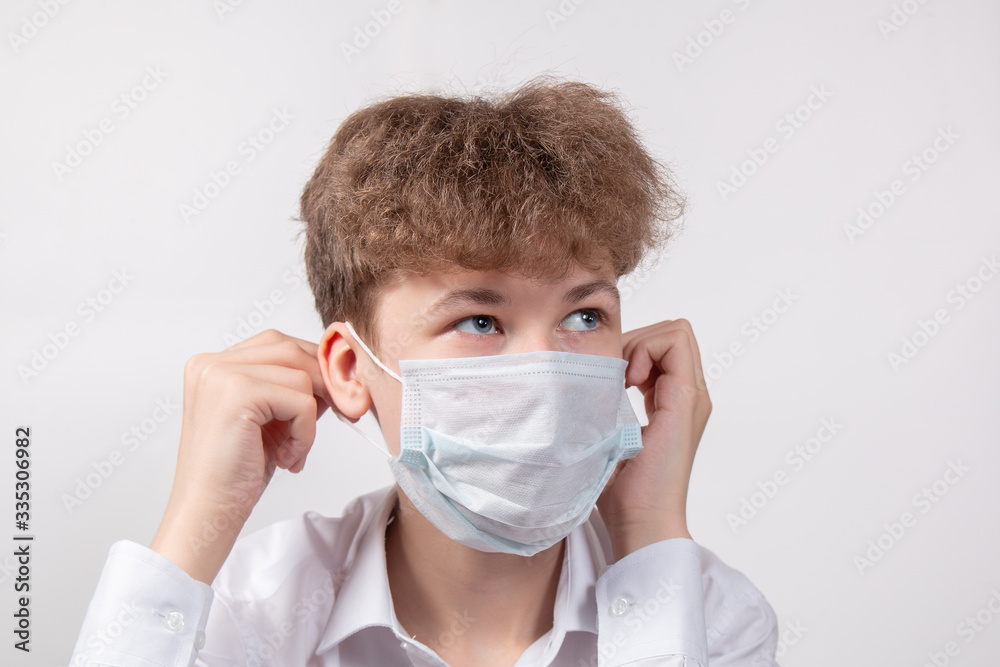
(469, 606)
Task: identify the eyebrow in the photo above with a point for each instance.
(484, 296)
(581, 292)
(477, 296)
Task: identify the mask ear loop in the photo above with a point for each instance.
(374, 443)
(382, 450)
(371, 354)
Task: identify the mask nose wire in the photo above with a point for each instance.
(372, 354)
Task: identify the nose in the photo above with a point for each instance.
(533, 339)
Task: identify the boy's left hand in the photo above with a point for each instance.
(645, 500)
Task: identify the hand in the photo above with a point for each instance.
(645, 500)
(247, 410)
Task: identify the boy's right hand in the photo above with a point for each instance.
(247, 410)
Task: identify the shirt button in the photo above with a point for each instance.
(175, 620)
(619, 607)
(199, 641)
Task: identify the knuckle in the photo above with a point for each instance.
(684, 325)
(288, 345)
(691, 394)
(210, 370)
(218, 376)
(307, 407)
(302, 379)
(270, 336)
(194, 364)
(251, 417)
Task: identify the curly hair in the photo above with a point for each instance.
(544, 176)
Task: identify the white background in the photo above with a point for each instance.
(63, 235)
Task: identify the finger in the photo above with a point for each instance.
(642, 368)
(631, 338)
(286, 351)
(286, 376)
(298, 409)
(634, 334)
(639, 365)
(638, 368)
(272, 336)
(696, 355)
(667, 351)
(298, 465)
(692, 341)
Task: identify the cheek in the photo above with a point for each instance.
(612, 347)
(387, 399)
(606, 343)
(460, 344)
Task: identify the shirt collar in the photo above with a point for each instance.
(364, 599)
(576, 601)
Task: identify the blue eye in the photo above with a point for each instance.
(582, 320)
(477, 324)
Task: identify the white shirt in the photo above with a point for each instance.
(314, 591)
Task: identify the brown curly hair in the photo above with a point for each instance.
(549, 174)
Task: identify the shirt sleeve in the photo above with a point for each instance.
(652, 607)
(741, 626)
(145, 611)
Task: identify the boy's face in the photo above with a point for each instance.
(466, 313)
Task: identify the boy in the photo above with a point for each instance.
(463, 255)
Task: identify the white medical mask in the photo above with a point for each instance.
(509, 453)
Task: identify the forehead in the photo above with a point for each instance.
(421, 293)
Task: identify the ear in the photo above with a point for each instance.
(338, 365)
